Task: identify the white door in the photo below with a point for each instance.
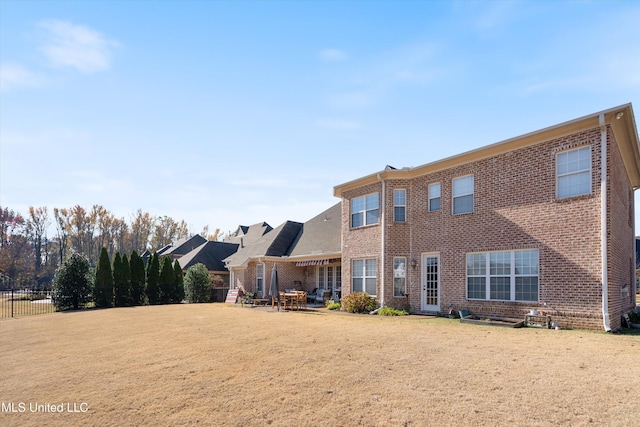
(430, 282)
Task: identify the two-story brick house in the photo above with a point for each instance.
(542, 221)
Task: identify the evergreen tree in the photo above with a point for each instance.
(197, 284)
(121, 278)
(153, 275)
(167, 281)
(103, 291)
(179, 282)
(137, 279)
(72, 284)
(117, 280)
(126, 274)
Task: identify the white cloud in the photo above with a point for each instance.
(76, 46)
(333, 55)
(14, 76)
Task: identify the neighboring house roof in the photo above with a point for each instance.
(620, 119)
(248, 234)
(184, 246)
(275, 243)
(320, 236)
(211, 254)
(164, 249)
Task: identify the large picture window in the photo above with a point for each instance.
(363, 276)
(399, 205)
(503, 276)
(399, 276)
(463, 195)
(434, 197)
(573, 172)
(364, 210)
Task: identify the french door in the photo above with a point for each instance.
(430, 282)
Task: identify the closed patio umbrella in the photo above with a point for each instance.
(274, 292)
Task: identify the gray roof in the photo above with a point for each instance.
(277, 242)
(211, 254)
(318, 237)
(321, 234)
(246, 235)
(184, 246)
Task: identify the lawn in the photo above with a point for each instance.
(213, 364)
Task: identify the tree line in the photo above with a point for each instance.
(126, 281)
(28, 251)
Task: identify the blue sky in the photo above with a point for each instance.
(226, 113)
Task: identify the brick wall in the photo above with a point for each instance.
(515, 207)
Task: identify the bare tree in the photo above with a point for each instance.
(36, 228)
(62, 230)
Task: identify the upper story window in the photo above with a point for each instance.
(399, 205)
(463, 194)
(434, 197)
(573, 172)
(364, 210)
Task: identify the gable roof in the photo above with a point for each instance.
(211, 254)
(320, 236)
(621, 120)
(274, 243)
(184, 246)
(246, 235)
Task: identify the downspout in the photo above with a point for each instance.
(382, 223)
(603, 223)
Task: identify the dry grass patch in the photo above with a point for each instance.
(213, 364)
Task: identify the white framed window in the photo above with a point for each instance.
(399, 205)
(260, 279)
(329, 277)
(503, 275)
(399, 276)
(364, 210)
(573, 172)
(434, 197)
(463, 195)
(363, 276)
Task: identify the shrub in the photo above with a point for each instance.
(197, 284)
(389, 311)
(333, 305)
(358, 302)
(72, 284)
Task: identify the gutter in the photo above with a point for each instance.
(603, 223)
(382, 224)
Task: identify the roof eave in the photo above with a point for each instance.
(626, 122)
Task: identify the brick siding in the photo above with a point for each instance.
(515, 207)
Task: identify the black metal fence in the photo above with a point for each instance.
(18, 303)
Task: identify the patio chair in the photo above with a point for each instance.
(322, 295)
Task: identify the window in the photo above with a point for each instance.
(434, 197)
(364, 210)
(573, 172)
(363, 272)
(463, 195)
(260, 279)
(399, 276)
(399, 205)
(329, 277)
(503, 276)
